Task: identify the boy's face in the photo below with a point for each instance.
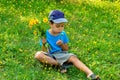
(57, 27)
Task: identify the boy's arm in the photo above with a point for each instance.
(62, 45)
(44, 48)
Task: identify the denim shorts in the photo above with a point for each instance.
(61, 56)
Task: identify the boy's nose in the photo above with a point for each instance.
(60, 29)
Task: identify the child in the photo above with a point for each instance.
(57, 40)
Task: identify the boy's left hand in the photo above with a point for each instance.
(59, 42)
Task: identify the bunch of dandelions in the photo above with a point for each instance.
(38, 27)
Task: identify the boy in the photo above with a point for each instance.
(57, 40)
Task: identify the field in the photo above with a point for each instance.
(93, 30)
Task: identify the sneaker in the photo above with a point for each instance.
(94, 77)
(63, 69)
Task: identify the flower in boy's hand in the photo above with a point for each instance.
(37, 27)
(33, 22)
(59, 42)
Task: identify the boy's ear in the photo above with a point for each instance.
(50, 23)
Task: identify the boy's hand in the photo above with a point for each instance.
(43, 41)
(59, 42)
(62, 45)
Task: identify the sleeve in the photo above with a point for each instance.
(65, 37)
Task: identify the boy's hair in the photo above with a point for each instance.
(57, 16)
(51, 22)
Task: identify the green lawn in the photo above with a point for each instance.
(93, 30)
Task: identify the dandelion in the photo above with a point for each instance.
(61, 2)
(88, 49)
(113, 54)
(81, 26)
(94, 42)
(37, 26)
(0, 62)
(83, 35)
(4, 74)
(108, 35)
(68, 33)
(45, 20)
(33, 22)
(35, 32)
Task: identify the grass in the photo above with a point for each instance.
(93, 30)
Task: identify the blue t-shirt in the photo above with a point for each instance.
(51, 40)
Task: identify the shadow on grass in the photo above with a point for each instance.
(71, 74)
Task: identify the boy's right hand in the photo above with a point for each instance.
(43, 41)
(59, 42)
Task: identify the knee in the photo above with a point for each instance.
(38, 54)
(73, 59)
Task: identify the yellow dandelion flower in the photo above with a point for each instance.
(35, 21)
(31, 22)
(0, 62)
(35, 32)
(113, 54)
(83, 34)
(61, 2)
(45, 20)
(108, 35)
(94, 42)
(68, 33)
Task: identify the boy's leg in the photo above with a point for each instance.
(80, 65)
(45, 59)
